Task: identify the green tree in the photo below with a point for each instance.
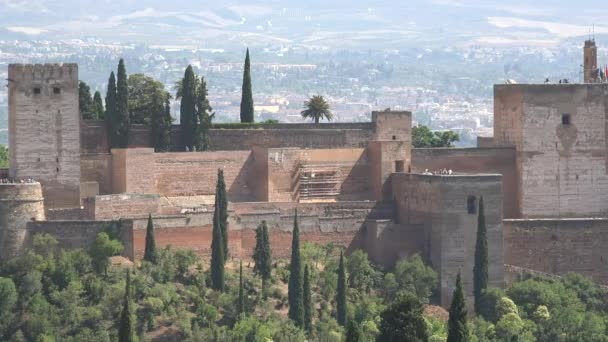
(353, 332)
(161, 125)
(412, 275)
(221, 202)
(204, 116)
(102, 250)
(241, 302)
(341, 293)
(247, 95)
(317, 109)
(150, 250)
(480, 269)
(361, 274)
(402, 321)
(4, 157)
(85, 102)
(126, 329)
(217, 254)
(422, 136)
(457, 324)
(262, 254)
(307, 302)
(296, 286)
(122, 107)
(145, 96)
(187, 109)
(98, 104)
(110, 116)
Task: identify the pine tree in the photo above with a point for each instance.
(307, 302)
(98, 105)
(480, 269)
(295, 289)
(161, 123)
(204, 116)
(126, 327)
(122, 107)
(110, 115)
(458, 330)
(241, 303)
(247, 95)
(262, 254)
(217, 255)
(341, 294)
(187, 109)
(150, 251)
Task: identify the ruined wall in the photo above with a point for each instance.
(80, 234)
(559, 246)
(500, 160)
(339, 222)
(283, 165)
(559, 132)
(119, 206)
(19, 204)
(439, 207)
(44, 125)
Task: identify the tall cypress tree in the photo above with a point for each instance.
(126, 326)
(295, 290)
(85, 102)
(247, 95)
(262, 254)
(458, 331)
(222, 199)
(122, 107)
(161, 124)
(241, 303)
(150, 251)
(341, 293)
(187, 109)
(480, 269)
(204, 117)
(307, 302)
(111, 111)
(98, 105)
(217, 255)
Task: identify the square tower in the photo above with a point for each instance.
(44, 129)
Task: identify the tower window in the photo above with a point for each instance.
(471, 205)
(399, 166)
(565, 119)
(37, 90)
(56, 90)
(394, 137)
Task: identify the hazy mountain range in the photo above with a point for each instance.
(312, 23)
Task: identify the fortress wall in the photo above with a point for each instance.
(79, 234)
(323, 135)
(437, 207)
(114, 207)
(559, 246)
(339, 222)
(284, 163)
(499, 160)
(97, 167)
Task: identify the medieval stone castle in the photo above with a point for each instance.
(543, 178)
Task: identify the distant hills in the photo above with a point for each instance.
(315, 23)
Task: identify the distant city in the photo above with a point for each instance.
(446, 88)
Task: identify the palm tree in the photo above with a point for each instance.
(317, 108)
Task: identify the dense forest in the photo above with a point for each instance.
(50, 294)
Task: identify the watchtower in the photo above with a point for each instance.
(44, 129)
(590, 63)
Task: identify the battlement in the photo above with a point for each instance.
(43, 72)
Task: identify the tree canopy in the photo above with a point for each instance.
(422, 136)
(317, 108)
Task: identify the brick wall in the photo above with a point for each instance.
(499, 160)
(120, 206)
(79, 234)
(559, 246)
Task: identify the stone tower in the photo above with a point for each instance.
(19, 204)
(44, 129)
(590, 63)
